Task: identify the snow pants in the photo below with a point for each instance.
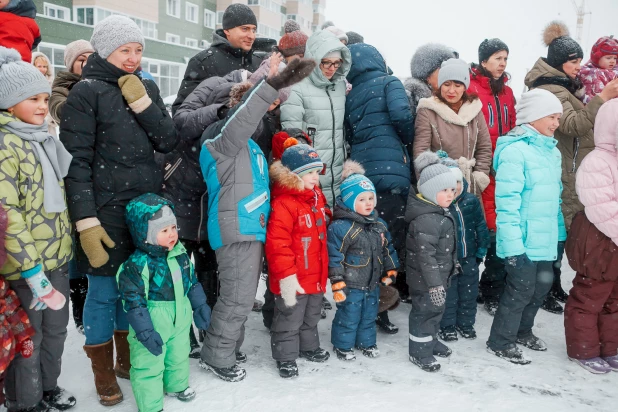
(354, 324)
(240, 266)
(591, 318)
(460, 307)
(493, 278)
(424, 324)
(26, 379)
(295, 329)
(525, 291)
(103, 311)
(151, 375)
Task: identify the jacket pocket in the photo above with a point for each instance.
(356, 261)
(253, 212)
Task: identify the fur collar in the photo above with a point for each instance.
(416, 88)
(285, 178)
(466, 114)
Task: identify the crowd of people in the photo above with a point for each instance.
(306, 160)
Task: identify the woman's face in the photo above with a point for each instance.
(41, 64)
(452, 91)
(79, 63)
(496, 64)
(547, 125)
(329, 66)
(127, 57)
(572, 68)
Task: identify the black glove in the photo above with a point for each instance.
(294, 72)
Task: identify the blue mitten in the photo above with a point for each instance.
(140, 321)
(201, 310)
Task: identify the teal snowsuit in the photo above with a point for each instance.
(158, 280)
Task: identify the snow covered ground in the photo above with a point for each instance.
(470, 380)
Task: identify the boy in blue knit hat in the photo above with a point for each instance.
(361, 256)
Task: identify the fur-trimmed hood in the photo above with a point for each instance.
(284, 177)
(417, 89)
(467, 113)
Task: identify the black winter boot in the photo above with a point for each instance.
(448, 334)
(385, 324)
(232, 374)
(429, 364)
(551, 305)
(556, 289)
(344, 354)
(287, 369)
(513, 355)
(318, 355)
(59, 398)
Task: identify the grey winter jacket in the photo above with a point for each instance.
(431, 244)
(317, 106)
(360, 250)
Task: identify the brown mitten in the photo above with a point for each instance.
(92, 240)
(134, 92)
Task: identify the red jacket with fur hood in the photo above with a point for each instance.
(296, 233)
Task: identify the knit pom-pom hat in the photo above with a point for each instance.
(354, 184)
(293, 41)
(434, 176)
(561, 47)
(18, 79)
(300, 158)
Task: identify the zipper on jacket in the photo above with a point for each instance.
(172, 169)
(506, 115)
(490, 110)
(499, 114)
(199, 231)
(332, 164)
(575, 153)
(463, 230)
(260, 162)
(306, 241)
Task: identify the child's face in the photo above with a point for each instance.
(365, 203)
(607, 62)
(459, 189)
(547, 125)
(32, 110)
(445, 197)
(168, 237)
(311, 179)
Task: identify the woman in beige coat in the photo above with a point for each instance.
(452, 121)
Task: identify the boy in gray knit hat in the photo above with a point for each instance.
(431, 259)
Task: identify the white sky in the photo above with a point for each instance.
(398, 27)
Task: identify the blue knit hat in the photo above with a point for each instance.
(300, 158)
(354, 184)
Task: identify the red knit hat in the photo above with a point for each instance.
(293, 41)
(603, 47)
(279, 139)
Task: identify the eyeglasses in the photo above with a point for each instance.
(328, 65)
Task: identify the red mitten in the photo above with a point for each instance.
(26, 348)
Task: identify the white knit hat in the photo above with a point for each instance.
(535, 105)
(114, 31)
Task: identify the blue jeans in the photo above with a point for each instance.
(103, 311)
(355, 319)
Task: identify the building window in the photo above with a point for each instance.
(85, 15)
(55, 54)
(57, 12)
(190, 42)
(191, 12)
(267, 31)
(220, 17)
(167, 75)
(148, 28)
(253, 2)
(173, 8)
(172, 38)
(209, 19)
(204, 44)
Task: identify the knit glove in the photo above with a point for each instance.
(201, 310)
(481, 180)
(134, 92)
(339, 291)
(289, 288)
(437, 296)
(26, 348)
(294, 72)
(390, 278)
(141, 322)
(91, 240)
(43, 293)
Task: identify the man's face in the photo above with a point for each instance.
(242, 37)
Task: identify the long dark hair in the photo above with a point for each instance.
(496, 85)
(465, 97)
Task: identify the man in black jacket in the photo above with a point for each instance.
(232, 48)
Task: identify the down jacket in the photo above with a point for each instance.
(597, 176)
(360, 249)
(317, 106)
(472, 233)
(575, 135)
(63, 83)
(431, 246)
(296, 234)
(378, 121)
(15, 326)
(528, 188)
(499, 112)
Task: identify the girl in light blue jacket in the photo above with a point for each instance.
(529, 221)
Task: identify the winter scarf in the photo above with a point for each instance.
(54, 159)
(573, 86)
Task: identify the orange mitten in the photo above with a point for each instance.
(390, 277)
(338, 291)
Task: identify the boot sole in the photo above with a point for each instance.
(513, 361)
(596, 372)
(111, 402)
(315, 360)
(222, 377)
(182, 399)
(425, 368)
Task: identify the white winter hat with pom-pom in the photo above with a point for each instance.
(354, 183)
(434, 176)
(18, 79)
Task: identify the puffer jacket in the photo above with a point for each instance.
(63, 83)
(379, 122)
(317, 106)
(218, 60)
(147, 274)
(594, 80)
(499, 112)
(15, 326)
(19, 33)
(575, 135)
(33, 236)
(296, 233)
(431, 245)
(472, 233)
(597, 176)
(462, 134)
(360, 250)
(236, 172)
(528, 188)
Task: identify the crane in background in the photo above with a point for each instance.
(581, 14)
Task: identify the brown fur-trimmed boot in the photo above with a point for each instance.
(102, 358)
(123, 358)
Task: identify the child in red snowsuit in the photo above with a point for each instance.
(601, 69)
(18, 30)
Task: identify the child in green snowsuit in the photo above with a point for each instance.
(160, 290)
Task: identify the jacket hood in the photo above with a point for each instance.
(467, 112)
(98, 68)
(417, 88)
(367, 61)
(541, 69)
(319, 45)
(606, 127)
(523, 132)
(344, 212)
(23, 8)
(464, 189)
(219, 40)
(284, 182)
(50, 68)
(417, 206)
(66, 79)
(139, 211)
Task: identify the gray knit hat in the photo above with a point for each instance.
(18, 79)
(434, 176)
(74, 50)
(162, 218)
(454, 69)
(114, 31)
